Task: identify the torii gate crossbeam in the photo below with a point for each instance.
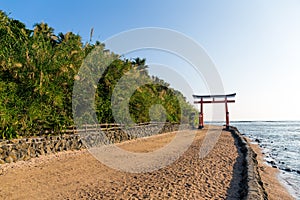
(213, 100)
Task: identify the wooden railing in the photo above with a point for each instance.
(103, 127)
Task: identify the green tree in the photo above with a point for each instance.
(37, 73)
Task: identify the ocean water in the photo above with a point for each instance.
(280, 143)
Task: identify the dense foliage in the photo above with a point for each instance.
(37, 70)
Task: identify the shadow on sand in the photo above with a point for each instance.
(238, 185)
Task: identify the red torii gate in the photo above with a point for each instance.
(213, 97)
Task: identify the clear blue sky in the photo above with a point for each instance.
(255, 45)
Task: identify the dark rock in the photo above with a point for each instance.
(257, 140)
(287, 169)
(271, 162)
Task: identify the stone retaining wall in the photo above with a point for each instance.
(251, 185)
(116, 135)
(26, 148)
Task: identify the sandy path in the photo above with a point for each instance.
(78, 175)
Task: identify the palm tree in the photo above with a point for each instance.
(42, 29)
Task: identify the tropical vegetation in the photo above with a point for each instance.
(37, 73)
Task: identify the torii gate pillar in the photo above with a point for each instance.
(201, 117)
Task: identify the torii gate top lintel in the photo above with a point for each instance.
(214, 96)
(225, 97)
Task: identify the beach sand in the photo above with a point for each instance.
(78, 175)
